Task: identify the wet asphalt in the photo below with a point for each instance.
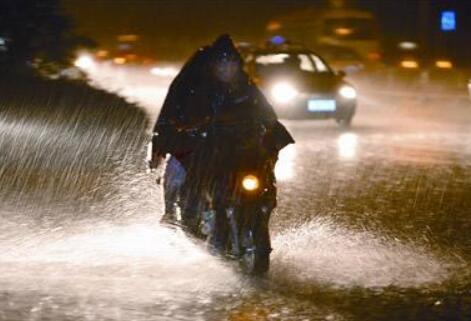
(372, 223)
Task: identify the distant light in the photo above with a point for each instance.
(84, 62)
(273, 26)
(278, 40)
(444, 64)
(124, 46)
(119, 60)
(448, 21)
(164, 71)
(102, 53)
(408, 45)
(375, 56)
(128, 38)
(244, 44)
(343, 31)
(409, 64)
(131, 57)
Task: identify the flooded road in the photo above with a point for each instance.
(373, 221)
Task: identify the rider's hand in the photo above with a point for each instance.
(155, 161)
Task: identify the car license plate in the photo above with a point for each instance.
(319, 105)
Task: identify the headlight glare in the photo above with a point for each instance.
(250, 183)
(283, 92)
(348, 92)
(84, 62)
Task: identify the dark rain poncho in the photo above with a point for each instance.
(197, 103)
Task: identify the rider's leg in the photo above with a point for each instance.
(219, 237)
(190, 205)
(174, 178)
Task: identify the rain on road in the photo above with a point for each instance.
(372, 224)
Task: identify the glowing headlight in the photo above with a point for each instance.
(250, 183)
(283, 92)
(348, 92)
(84, 62)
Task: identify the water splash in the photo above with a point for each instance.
(114, 272)
(322, 252)
(79, 237)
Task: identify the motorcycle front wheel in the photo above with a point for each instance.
(255, 259)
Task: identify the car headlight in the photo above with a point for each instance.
(283, 92)
(250, 183)
(348, 92)
(84, 62)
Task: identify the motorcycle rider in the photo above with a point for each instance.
(212, 88)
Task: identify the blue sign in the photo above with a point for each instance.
(448, 21)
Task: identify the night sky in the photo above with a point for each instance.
(177, 26)
(173, 29)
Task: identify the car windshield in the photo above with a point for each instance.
(290, 62)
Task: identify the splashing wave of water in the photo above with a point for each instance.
(321, 252)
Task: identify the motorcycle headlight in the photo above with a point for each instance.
(283, 92)
(348, 92)
(250, 183)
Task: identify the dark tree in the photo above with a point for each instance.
(38, 30)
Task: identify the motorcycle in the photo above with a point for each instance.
(238, 227)
(230, 211)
